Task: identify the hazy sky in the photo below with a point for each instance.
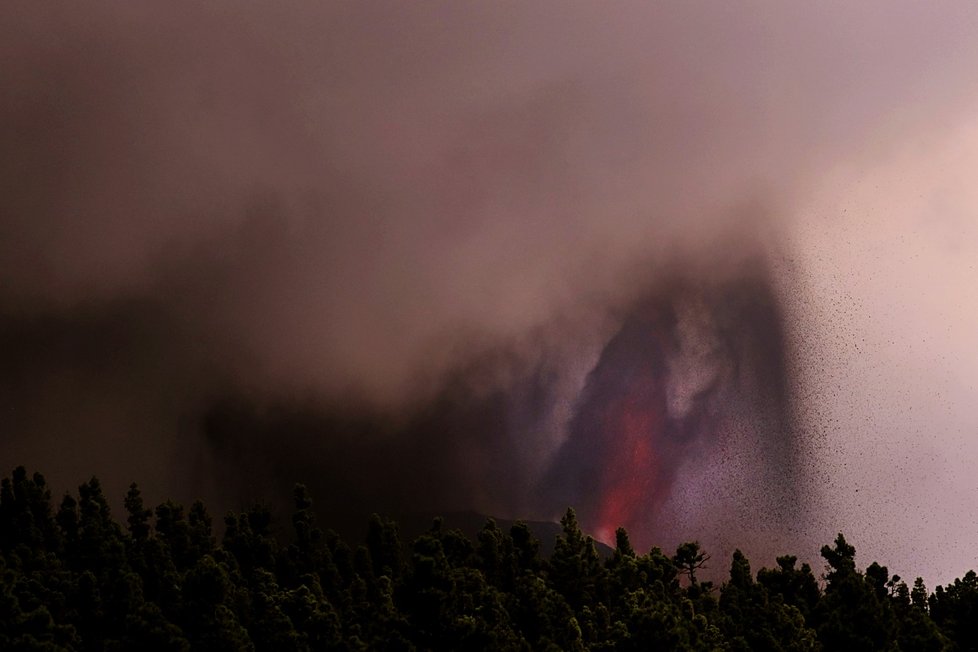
(890, 248)
(348, 201)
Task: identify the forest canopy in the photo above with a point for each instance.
(72, 577)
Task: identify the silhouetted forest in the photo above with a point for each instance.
(73, 578)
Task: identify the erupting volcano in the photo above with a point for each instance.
(697, 269)
(668, 390)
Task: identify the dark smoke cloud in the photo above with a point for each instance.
(380, 247)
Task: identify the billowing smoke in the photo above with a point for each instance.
(690, 391)
(693, 366)
(505, 257)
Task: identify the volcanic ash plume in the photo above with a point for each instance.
(672, 417)
(694, 369)
(423, 256)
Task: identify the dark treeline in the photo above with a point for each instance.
(73, 578)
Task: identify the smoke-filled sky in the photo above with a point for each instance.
(439, 255)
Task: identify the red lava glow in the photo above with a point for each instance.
(633, 474)
(625, 417)
(629, 438)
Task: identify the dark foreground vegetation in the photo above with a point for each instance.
(72, 578)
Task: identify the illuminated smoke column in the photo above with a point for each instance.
(689, 367)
